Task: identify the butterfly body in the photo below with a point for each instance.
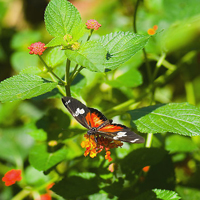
(98, 124)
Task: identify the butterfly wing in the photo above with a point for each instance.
(87, 117)
(120, 132)
(78, 110)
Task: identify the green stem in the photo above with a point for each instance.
(148, 67)
(89, 36)
(50, 70)
(158, 65)
(134, 16)
(74, 71)
(67, 87)
(149, 140)
(72, 78)
(189, 89)
(22, 194)
(58, 86)
(165, 63)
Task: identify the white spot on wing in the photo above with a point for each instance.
(119, 135)
(67, 102)
(132, 141)
(78, 112)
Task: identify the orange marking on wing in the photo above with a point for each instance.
(96, 121)
(88, 119)
(111, 128)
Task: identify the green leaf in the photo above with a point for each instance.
(55, 57)
(24, 86)
(42, 160)
(22, 39)
(55, 42)
(62, 18)
(90, 55)
(121, 46)
(77, 186)
(166, 194)
(31, 70)
(37, 134)
(34, 177)
(181, 118)
(130, 78)
(21, 60)
(178, 143)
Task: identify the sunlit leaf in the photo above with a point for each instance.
(181, 118)
(121, 46)
(24, 86)
(61, 18)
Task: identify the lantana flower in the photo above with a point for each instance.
(93, 24)
(37, 48)
(12, 176)
(152, 31)
(93, 147)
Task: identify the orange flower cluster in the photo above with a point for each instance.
(93, 24)
(12, 176)
(152, 31)
(93, 147)
(37, 48)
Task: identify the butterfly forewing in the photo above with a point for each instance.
(78, 110)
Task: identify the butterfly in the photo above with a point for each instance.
(98, 124)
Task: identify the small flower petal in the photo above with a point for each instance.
(155, 27)
(151, 31)
(111, 167)
(145, 169)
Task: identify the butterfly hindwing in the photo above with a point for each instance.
(96, 118)
(120, 132)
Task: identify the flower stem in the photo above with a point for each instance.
(67, 87)
(74, 71)
(190, 92)
(149, 140)
(77, 72)
(50, 70)
(148, 67)
(22, 194)
(89, 36)
(134, 16)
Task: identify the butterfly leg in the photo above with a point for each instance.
(96, 137)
